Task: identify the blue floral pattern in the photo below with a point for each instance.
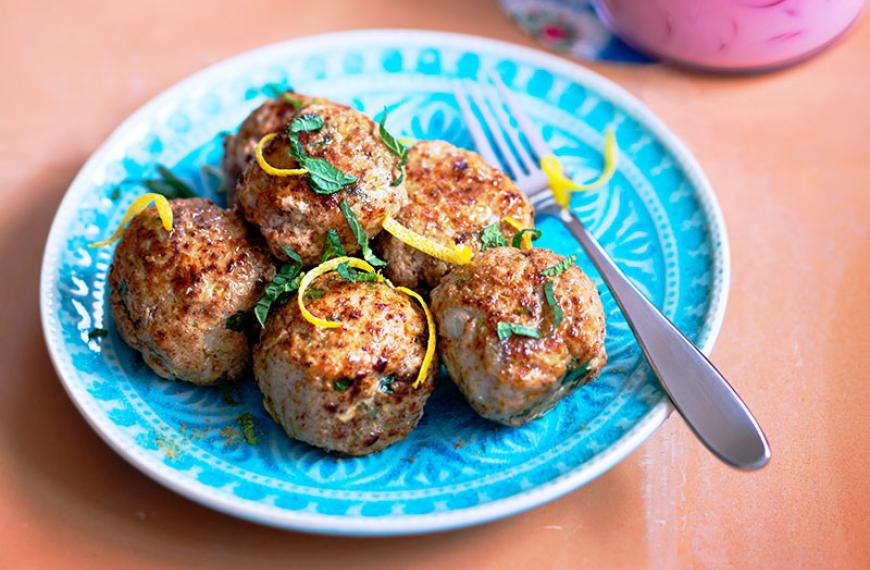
(657, 218)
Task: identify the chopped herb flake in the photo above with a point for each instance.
(229, 391)
(560, 267)
(239, 322)
(246, 422)
(518, 237)
(342, 384)
(294, 100)
(505, 330)
(576, 376)
(491, 237)
(385, 384)
(314, 293)
(360, 235)
(551, 300)
(96, 333)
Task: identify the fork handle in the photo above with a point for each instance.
(700, 393)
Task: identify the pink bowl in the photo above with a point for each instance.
(730, 35)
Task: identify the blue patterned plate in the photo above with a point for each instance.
(658, 218)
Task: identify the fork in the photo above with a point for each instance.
(700, 393)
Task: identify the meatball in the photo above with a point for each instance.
(172, 292)
(516, 380)
(290, 213)
(270, 117)
(346, 389)
(452, 196)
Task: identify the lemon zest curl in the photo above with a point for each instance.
(164, 210)
(562, 186)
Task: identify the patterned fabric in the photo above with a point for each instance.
(657, 218)
(571, 27)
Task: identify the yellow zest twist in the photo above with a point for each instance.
(430, 344)
(326, 267)
(457, 254)
(164, 210)
(562, 186)
(526, 240)
(268, 168)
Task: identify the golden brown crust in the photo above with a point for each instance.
(325, 387)
(172, 292)
(452, 196)
(289, 213)
(518, 379)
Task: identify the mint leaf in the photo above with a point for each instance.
(294, 100)
(323, 177)
(559, 267)
(505, 330)
(305, 123)
(359, 235)
(393, 144)
(354, 275)
(332, 247)
(286, 281)
(169, 185)
(491, 237)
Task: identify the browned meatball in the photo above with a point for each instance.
(516, 380)
(452, 196)
(172, 292)
(270, 117)
(346, 389)
(290, 213)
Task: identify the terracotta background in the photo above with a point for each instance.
(789, 156)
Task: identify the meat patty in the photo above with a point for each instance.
(516, 380)
(346, 389)
(452, 196)
(171, 293)
(270, 117)
(289, 213)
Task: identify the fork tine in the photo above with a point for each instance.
(477, 135)
(496, 131)
(525, 158)
(530, 132)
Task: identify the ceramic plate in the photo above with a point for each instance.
(658, 218)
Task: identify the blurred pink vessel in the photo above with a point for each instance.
(738, 35)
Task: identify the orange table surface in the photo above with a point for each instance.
(788, 154)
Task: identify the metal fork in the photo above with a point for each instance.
(708, 404)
